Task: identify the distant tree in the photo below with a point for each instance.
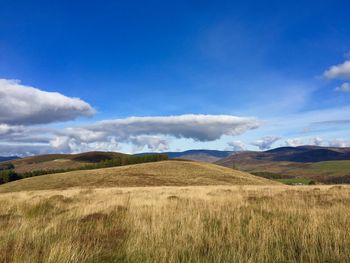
(6, 166)
(9, 176)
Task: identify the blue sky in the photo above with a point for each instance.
(261, 59)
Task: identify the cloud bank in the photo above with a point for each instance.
(196, 127)
(142, 133)
(25, 105)
(149, 131)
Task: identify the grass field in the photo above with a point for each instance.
(325, 172)
(335, 168)
(177, 224)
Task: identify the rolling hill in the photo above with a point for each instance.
(8, 158)
(76, 161)
(209, 156)
(61, 161)
(322, 164)
(164, 173)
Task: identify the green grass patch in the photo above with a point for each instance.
(331, 167)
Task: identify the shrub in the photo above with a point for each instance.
(9, 176)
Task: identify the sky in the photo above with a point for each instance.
(138, 76)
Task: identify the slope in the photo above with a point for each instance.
(322, 164)
(165, 173)
(59, 161)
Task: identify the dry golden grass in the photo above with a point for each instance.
(165, 173)
(177, 224)
(49, 165)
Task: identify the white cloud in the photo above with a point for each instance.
(25, 105)
(294, 142)
(23, 149)
(63, 144)
(317, 141)
(266, 142)
(339, 143)
(152, 133)
(341, 71)
(345, 87)
(196, 127)
(236, 146)
(153, 143)
(6, 129)
(146, 131)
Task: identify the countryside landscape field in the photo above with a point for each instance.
(177, 224)
(169, 211)
(174, 131)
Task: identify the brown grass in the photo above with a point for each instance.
(165, 173)
(59, 161)
(177, 224)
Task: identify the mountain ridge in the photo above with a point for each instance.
(8, 158)
(204, 155)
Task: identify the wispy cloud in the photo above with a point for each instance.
(236, 146)
(317, 141)
(345, 87)
(339, 143)
(341, 71)
(294, 142)
(266, 142)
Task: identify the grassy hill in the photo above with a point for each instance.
(60, 161)
(165, 173)
(336, 168)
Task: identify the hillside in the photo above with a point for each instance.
(301, 154)
(322, 164)
(209, 156)
(7, 158)
(61, 161)
(165, 173)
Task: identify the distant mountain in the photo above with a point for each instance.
(8, 158)
(318, 163)
(203, 155)
(302, 154)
